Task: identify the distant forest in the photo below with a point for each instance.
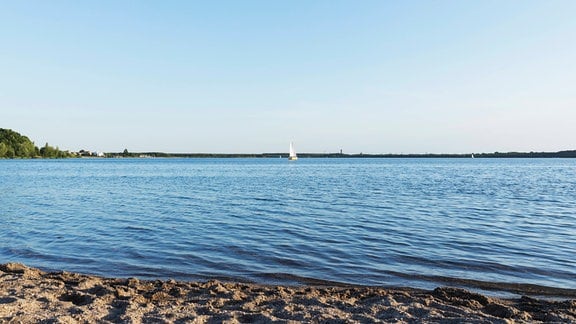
(13, 145)
(561, 154)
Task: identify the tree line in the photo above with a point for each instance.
(13, 145)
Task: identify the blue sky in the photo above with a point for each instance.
(251, 76)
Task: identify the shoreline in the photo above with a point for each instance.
(284, 155)
(31, 295)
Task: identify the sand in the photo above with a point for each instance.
(28, 295)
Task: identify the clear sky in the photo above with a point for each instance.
(370, 76)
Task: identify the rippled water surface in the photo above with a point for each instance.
(415, 222)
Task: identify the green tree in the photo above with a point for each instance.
(25, 149)
(48, 151)
(10, 154)
(3, 149)
(14, 145)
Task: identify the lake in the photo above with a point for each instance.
(383, 222)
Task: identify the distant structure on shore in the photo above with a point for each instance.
(84, 153)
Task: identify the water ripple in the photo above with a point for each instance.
(353, 221)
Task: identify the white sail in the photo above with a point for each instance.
(292, 155)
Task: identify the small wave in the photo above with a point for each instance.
(265, 199)
(296, 279)
(517, 288)
(496, 288)
(137, 229)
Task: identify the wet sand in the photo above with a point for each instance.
(28, 295)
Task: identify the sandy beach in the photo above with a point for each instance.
(28, 295)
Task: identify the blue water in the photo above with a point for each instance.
(384, 222)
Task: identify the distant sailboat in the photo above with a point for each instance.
(472, 155)
(292, 156)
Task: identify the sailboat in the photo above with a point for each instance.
(292, 156)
